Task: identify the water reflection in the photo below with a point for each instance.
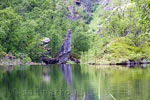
(74, 82)
(67, 73)
(137, 65)
(46, 75)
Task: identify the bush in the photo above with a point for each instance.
(27, 59)
(123, 49)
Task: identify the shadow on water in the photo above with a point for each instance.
(74, 82)
(136, 66)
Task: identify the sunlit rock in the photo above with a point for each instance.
(45, 40)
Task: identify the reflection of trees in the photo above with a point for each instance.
(74, 83)
(30, 83)
(15, 82)
(122, 83)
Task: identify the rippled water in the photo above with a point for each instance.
(74, 82)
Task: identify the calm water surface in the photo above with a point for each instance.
(74, 82)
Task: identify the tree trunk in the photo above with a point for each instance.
(64, 53)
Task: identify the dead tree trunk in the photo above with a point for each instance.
(64, 53)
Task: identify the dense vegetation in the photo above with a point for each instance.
(123, 32)
(24, 23)
(104, 30)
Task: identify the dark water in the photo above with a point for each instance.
(74, 82)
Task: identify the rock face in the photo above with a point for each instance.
(64, 53)
(73, 14)
(71, 10)
(104, 2)
(87, 5)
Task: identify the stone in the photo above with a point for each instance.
(45, 40)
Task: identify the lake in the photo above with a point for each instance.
(74, 82)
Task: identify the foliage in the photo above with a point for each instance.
(122, 22)
(96, 50)
(144, 13)
(9, 22)
(81, 43)
(1, 52)
(124, 49)
(24, 23)
(26, 59)
(109, 25)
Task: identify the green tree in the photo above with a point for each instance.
(9, 23)
(144, 13)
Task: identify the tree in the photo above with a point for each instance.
(144, 13)
(9, 22)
